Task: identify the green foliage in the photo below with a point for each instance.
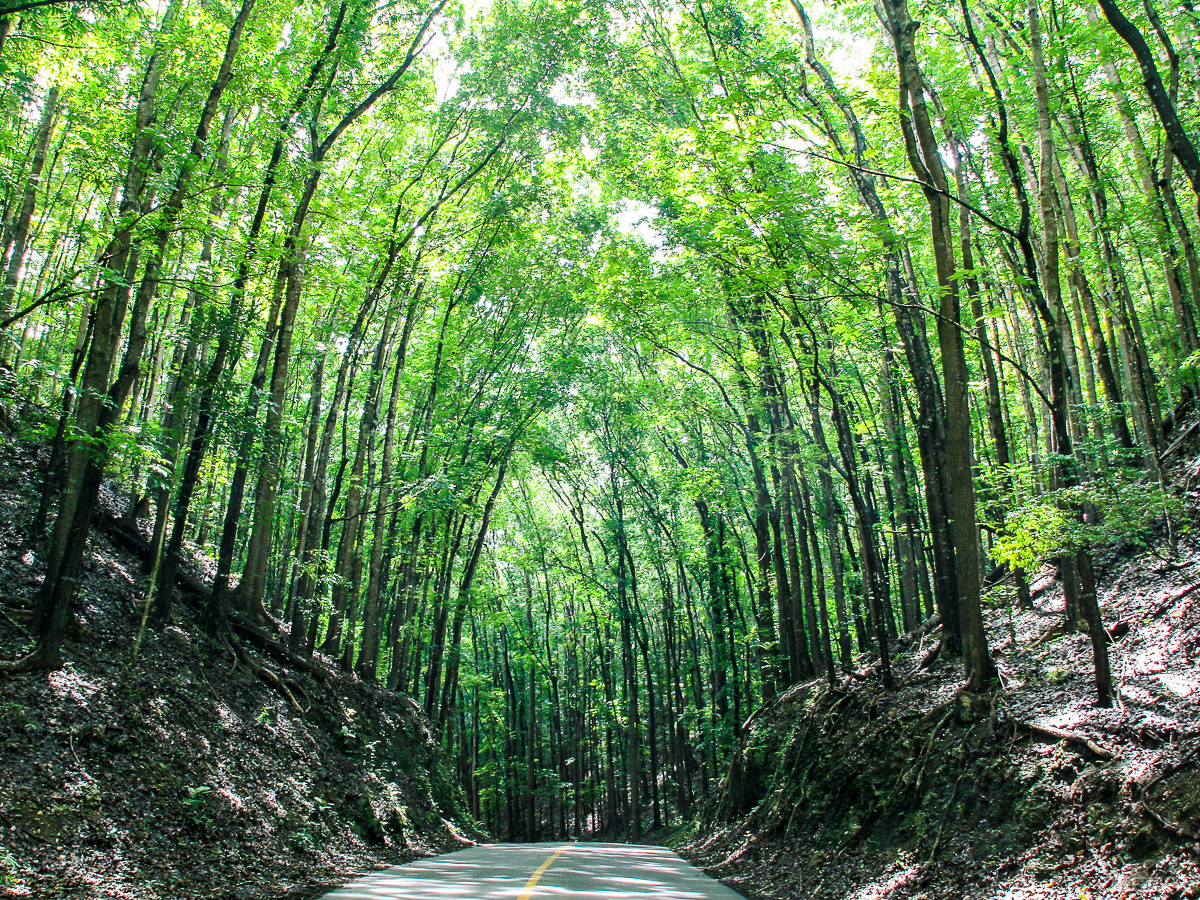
(9, 869)
(196, 801)
(1117, 508)
(1057, 676)
(1034, 533)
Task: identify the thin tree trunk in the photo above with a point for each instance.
(81, 482)
(16, 246)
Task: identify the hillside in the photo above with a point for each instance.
(1030, 791)
(202, 768)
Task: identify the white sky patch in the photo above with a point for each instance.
(447, 69)
(566, 92)
(620, 26)
(584, 185)
(285, 38)
(447, 76)
(637, 218)
(845, 52)
(793, 143)
(848, 55)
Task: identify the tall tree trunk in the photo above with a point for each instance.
(1177, 138)
(1078, 577)
(377, 571)
(291, 276)
(93, 414)
(904, 300)
(925, 159)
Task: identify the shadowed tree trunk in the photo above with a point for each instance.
(925, 160)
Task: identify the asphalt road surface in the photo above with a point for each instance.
(540, 871)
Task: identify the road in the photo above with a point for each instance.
(533, 871)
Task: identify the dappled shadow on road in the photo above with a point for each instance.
(499, 871)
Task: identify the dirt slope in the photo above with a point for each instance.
(185, 774)
(861, 794)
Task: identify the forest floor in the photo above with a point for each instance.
(861, 794)
(189, 773)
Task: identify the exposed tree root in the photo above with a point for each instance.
(266, 675)
(259, 636)
(36, 660)
(1061, 734)
(925, 756)
(195, 591)
(1187, 433)
(1172, 598)
(1155, 816)
(19, 616)
(1055, 631)
(27, 833)
(910, 637)
(903, 642)
(937, 841)
(930, 656)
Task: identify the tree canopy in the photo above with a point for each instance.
(595, 372)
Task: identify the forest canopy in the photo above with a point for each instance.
(596, 371)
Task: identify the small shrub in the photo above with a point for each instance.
(8, 869)
(195, 801)
(1120, 508)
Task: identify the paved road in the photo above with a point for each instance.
(540, 871)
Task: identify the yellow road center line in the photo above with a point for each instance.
(527, 891)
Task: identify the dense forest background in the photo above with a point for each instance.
(595, 372)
